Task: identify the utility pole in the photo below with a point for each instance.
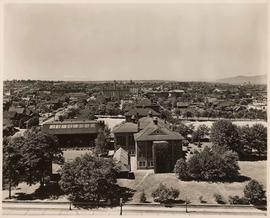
(186, 205)
(121, 204)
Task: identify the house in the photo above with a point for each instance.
(73, 133)
(141, 112)
(147, 103)
(150, 144)
(123, 136)
(182, 105)
(158, 147)
(176, 93)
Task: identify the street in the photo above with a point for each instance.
(63, 209)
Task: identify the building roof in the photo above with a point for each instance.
(71, 127)
(18, 110)
(145, 102)
(142, 112)
(126, 127)
(157, 132)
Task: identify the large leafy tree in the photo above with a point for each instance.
(12, 162)
(213, 165)
(259, 135)
(39, 151)
(225, 134)
(253, 138)
(89, 178)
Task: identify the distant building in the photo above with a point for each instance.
(141, 112)
(116, 91)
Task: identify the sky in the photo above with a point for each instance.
(181, 42)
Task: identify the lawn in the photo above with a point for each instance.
(193, 190)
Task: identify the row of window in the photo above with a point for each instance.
(143, 163)
(71, 126)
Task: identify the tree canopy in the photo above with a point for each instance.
(89, 178)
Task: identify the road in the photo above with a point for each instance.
(63, 209)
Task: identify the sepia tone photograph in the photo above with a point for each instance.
(130, 109)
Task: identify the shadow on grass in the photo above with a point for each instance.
(240, 178)
(261, 205)
(120, 192)
(50, 191)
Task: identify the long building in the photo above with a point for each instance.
(74, 133)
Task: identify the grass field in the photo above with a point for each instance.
(193, 190)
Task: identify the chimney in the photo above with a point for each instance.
(150, 114)
(155, 120)
(138, 126)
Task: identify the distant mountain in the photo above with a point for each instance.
(258, 79)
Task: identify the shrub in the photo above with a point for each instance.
(164, 194)
(142, 197)
(219, 199)
(237, 200)
(254, 192)
(181, 169)
(202, 200)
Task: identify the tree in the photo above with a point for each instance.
(225, 134)
(12, 162)
(89, 178)
(101, 141)
(253, 138)
(254, 192)
(259, 135)
(34, 121)
(213, 165)
(200, 133)
(164, 194)
(39, 151)
(181, 169)
(185, 130)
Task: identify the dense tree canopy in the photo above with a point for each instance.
(209, 165)
(225, 134)
(89, 178)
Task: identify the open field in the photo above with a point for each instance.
(193, 190)
(238, 123)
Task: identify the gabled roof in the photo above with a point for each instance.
(126, 127)
(143, 112)
(157, 132)
(144, 121)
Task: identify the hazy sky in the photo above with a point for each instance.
(134, 41)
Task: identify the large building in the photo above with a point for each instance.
(74, 133)
(150, 143)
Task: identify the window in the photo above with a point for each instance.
(142, 163)
(75, 125)
(63, 126)
(57, 126)
(150, 163)
(69, 126)
(81, 125)
(52, 127)
(87, 125)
